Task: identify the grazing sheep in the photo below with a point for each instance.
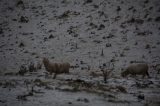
(63, 67)
(136, 69)
(56, 68)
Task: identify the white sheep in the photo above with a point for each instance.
(136, 69)
(56, 68)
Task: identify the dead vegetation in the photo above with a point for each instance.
(29, 68)
(118, 101)
(41, 83)
(24, 96)
(30, 92)
(106, 70)
(85, 100)
(22, 70)
(157, 68)
(96, 73)
(8, 84)
(89, 87)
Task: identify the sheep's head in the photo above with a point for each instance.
(124, 73)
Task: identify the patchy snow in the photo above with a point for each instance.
(78, 31)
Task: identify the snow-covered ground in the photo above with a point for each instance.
(87, 34)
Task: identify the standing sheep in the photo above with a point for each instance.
(56, 68)
(63, 67)
(136, 69)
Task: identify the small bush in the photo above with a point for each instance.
(23, 70)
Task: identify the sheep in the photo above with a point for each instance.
(56, 68)
(136, 69)
(63, 67)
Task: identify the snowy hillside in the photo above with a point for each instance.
(88, 34)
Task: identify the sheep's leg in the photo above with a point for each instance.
(46, 74)
(54, 75)
(67, 71)
(158, 71)
(147, 74)
(105, 78)
(133, 75)
(143, 76)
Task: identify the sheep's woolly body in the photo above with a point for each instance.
(56, 68)
(136, 69)
(64, 67)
